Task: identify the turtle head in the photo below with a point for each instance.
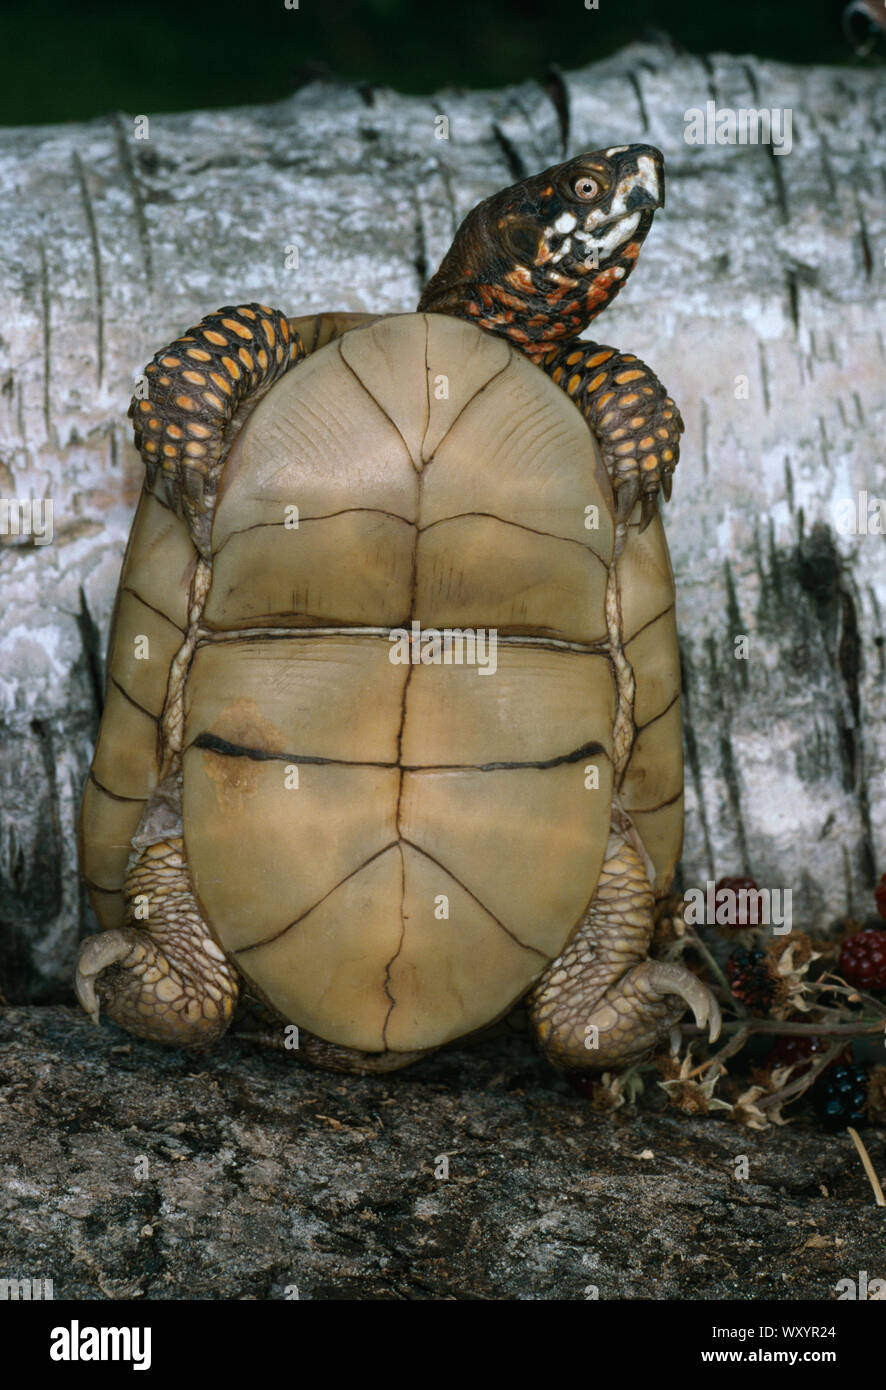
(538, 261)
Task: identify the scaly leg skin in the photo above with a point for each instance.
(637, 424)
(195, 387)
(164, 979)
(602, 1003)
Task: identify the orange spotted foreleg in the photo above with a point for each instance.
(194, 388)
(637, 424)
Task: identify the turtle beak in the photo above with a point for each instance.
(638, 179)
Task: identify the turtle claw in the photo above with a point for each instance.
(96, 954)
(666, 978)
(650, 507)
(626, 498)
(667, 483)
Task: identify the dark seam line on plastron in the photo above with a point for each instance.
(378, 403)
(134, 703)
(465, 889)
(479, 391)
(324, 516)
(421, 447)
(266, 941)
(635, 635)
(505, 521)
(128, 589)
(116, 795)
(212, 744)
(650, 810)
(97, 888)
(587, 750)
(527, 640)
(661, 713)
(389, 964)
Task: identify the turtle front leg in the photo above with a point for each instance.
(602, 1003)
(162, 976)
(634, 419)
(195, 387)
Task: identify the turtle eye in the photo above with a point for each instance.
(586, 188)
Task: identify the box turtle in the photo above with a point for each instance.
(392, 733)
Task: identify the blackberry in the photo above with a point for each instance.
(750, 978)
(797, 1050)
(840, 1097)
(863, 959)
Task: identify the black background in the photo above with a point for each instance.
(72, 61)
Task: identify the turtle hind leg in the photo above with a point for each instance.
(602, 1003)
(164, 977)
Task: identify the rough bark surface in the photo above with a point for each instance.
(126, 1172)
(762, 267)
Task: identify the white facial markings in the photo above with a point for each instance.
(617, 233)
(647, 175)
(616, 149)
(565, 222)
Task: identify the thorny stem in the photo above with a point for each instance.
(735, 1044)
(856, 995)
(803, 1082)
(774, 1025)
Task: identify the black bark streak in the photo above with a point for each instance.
(733, 614)
(728, 765)
(764, 377)
(420, 256)
(708, 66)
(45, 319)
(511, 154)
(829, 592)
(705, 433)
(92, 232)
(90, 639)
(557, 92)
(51, 856)
(138, 202)
(789, 484)
(641, 100)
(686, 686)
(793, 293)
(867, 255)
